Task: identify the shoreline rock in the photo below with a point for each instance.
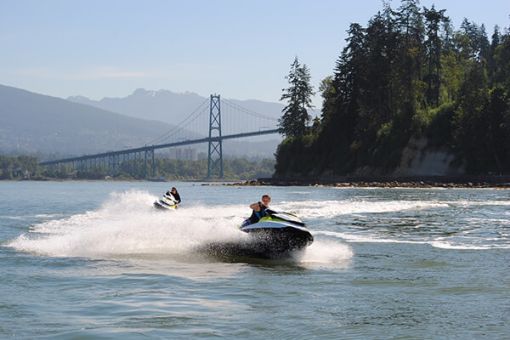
(446, 182)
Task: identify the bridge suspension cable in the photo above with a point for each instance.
(241, 119)
(201, 109)
(247, 111)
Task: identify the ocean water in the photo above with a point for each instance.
(94, 260)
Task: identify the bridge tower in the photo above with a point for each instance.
(215, 154)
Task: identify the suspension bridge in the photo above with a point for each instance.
(188, 132)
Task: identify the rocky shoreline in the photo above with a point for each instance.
(498, 182)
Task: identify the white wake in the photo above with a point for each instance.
(127, 225)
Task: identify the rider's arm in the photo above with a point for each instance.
(255, 206)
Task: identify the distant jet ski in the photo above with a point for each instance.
(167, 202)
(276, 235)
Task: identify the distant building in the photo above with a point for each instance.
(186, 154)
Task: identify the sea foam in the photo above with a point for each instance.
(127, 225)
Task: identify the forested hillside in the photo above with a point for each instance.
(27, 167)
(406, 78)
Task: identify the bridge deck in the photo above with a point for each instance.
(159, 146)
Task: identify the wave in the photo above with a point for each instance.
(366, 238)
(12, 217)
(439, 242)
(25, 217)
(468, 203)
(329, 209)
(464, 246)
(326, 253)
(127, 224)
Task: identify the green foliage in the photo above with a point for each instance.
(18, 167)
(408, 73)
(24, 167)
(298, 96)
(295, 153)
(438, 127)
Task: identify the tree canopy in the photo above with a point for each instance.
(408, 74)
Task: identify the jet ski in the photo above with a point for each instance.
(167, 202)
(276, 235)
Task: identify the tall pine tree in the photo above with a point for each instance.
(298, 95)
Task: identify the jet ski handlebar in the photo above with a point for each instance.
(271, 212)
(285, 216)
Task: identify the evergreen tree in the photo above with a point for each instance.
(470, 123)
(502, 63)
(497, 133)
(298, 95)
(340, 109)
(491, 62)
(410, 44)
(433, 21)
(328, 93)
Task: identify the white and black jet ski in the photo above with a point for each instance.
(167, 202)
(276, 235)
(279, 233)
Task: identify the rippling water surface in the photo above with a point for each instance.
(94, 260)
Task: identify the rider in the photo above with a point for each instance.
(259, 209)
(175, 194)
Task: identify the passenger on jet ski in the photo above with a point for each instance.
(259, 210)
(175, 194)
(169, 201)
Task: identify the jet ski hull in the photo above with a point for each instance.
(280, 240)
(267, 239)
(167, 202)
(162, 206)
(280, 243)
(264, 244)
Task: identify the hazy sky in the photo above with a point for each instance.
(240, 49)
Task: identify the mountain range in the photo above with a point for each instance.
(170, 107)
(54, 127)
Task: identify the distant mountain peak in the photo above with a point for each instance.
(160, 92)
(78, 99)
(168, 106)
(140, 92)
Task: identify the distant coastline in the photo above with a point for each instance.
(497, 182)
(501, 182)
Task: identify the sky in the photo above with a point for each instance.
(237, 48)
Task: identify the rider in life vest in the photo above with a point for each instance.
(175, 194)
(259, 209)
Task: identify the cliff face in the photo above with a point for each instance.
(420, 160)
